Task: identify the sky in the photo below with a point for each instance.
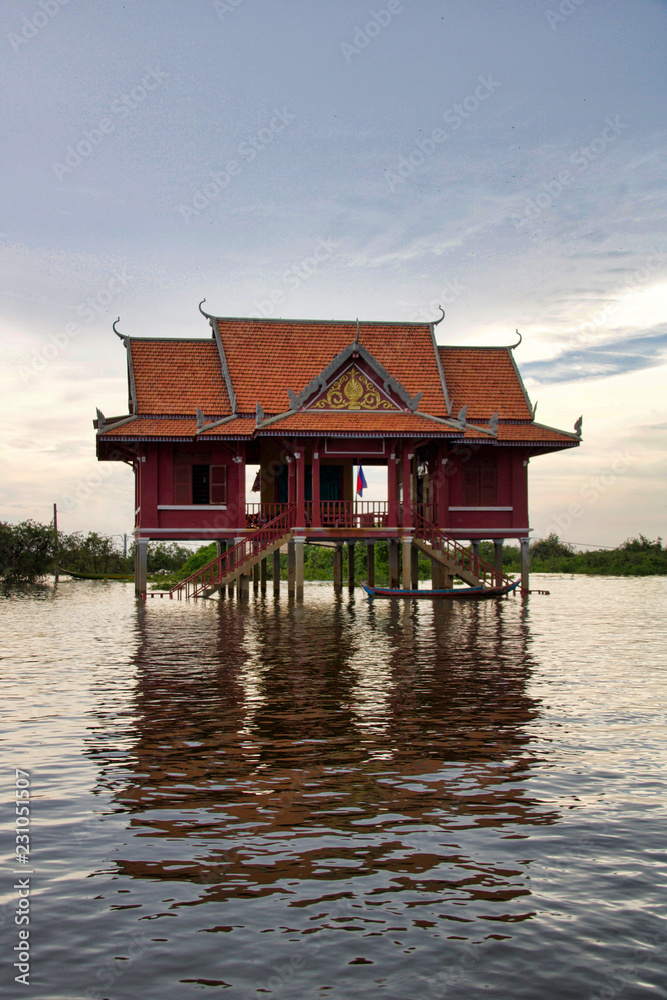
(333, 160)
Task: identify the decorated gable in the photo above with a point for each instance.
(354, 389)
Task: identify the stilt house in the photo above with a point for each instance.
(306, 401)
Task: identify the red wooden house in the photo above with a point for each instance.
(306, 401)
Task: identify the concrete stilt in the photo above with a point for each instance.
(298, 567)
(276, 571)
(263, 574)
(393, 544)
(414, 567)
(525, 563)
(498, 558)
(230, 588)
(437, 575)
(140, 567)
(474, 544)
(370, 564)
(338, 566)
(407, 563)
(291, 567)
(244, 586)
(350, 565)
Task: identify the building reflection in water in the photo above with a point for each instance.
(335, 748)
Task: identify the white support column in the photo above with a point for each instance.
(407, 564)
(525, 563)
(298, 567)
(140, 566)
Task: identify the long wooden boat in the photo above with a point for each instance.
(456, 594)
(96, 576)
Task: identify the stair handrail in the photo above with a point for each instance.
(430, 533)
(210, 574)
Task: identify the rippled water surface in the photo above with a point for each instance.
(339, 799)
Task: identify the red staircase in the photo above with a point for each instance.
(456, 559)
(226, 567)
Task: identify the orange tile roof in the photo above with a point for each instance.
(265, 357)
(185, 427)
(384, 424)
(176, 376)
(532, 433)
(484, 379)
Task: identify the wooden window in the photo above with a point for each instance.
(182, 479)
(479, 481)
(198, 483)
(218, 484)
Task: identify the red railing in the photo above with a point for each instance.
(211, 574)
(259, 514)
(354, 513)
(488, 574)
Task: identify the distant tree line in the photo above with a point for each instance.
(30, 551)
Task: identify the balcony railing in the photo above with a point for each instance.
(333, 513)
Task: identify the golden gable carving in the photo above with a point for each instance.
(353, 391)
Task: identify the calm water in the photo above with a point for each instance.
(339, 799)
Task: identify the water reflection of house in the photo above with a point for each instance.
(273, 744)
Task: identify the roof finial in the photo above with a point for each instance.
(578, 425)
(356, 339)
(513, 346)
(441, 318)
(119, 335)
(207, 315)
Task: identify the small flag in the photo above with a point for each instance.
(361, 482)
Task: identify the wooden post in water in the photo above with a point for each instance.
(338, 566)
(414, 567)
(221, 546)
(393, 563)
(498, 558)
(370, 564)
(350, 565)
(276, 571)
(255, 577)
(55, 542)
(263, 574)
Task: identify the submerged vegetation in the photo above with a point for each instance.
(30, 551)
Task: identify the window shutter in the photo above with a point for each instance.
(218, 484)
(182, 480)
